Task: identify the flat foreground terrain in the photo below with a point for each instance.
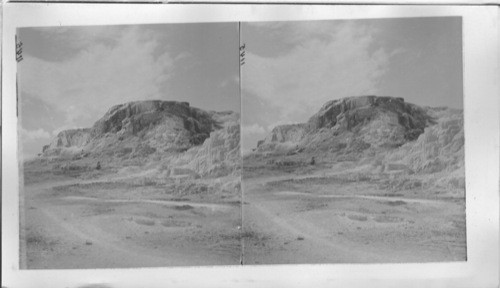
(110, 222)
(337, 214)
(330, 216)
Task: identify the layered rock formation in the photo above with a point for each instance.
(284, 133)
(359, 122)
(66, 139)
(161, 131)
(400, 136)
(440, 147)
(161, 125)
(220, 153)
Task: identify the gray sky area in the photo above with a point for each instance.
(293, 68)
(71, 76)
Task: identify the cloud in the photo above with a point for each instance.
(99, 75)
(59, 129)
(333, 63)
(34, 135)
(280, 122)
(253, 129)
(234, 80)
(69, 39)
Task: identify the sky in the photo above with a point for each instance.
(292, 68)
(71, 76)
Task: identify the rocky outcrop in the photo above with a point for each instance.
(134, 117)
(163, 125)
(440, 147)
(350, 112)
(169, 134)
(396, 136)
(73, 138)
(286, 133)
(358, 122)
(220, 153)
(141, 126)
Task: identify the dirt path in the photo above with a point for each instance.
(211, 206)
(33, 189)
(368, 197)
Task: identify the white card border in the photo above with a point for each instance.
(481, 108)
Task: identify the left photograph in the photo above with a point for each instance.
(129, 146)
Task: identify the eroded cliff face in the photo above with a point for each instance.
(368, 121)
(440, 147)
(393, 135)
(220, 153)
(67, 139)
(73, 137)
(160, 125)
(168, 132)
(164, 119)
(286, 133)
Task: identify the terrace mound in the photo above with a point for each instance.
(169, 133)
(391, 134)
(356, 123)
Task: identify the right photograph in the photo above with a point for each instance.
(352, 135)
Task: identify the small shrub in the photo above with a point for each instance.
(395, 203)
(149, 182)
(183, 207)
(358, 217)
(147, 222)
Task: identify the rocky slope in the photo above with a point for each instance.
(439, 148)
(400, 135)
(365, 121)
(68, 138)
(168, 132)
(220, 153)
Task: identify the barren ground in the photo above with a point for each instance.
(325, 216)
(110, 222)
(320, 214)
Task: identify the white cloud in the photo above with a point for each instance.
(34, 135)
(59, 129)
(100, 76)
(281, 121)
(230, 81)
(253, 129)
(316, 70)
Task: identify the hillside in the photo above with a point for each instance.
(168, 137)
(377, 135)
(355, 123)
(378, 177)
(149, 184)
